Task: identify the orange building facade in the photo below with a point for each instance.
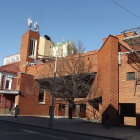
(115, 88)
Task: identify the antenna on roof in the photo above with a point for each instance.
(36, 26)
(29, 23)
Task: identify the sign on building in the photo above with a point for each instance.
(11, 59)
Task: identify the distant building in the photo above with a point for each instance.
(48, 49)
(11, 59)
(63, 49)
(8, 82)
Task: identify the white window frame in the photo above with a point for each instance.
(10, 83)
(44, 98)
(33, 46)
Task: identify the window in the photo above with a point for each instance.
(61, 107)
(32, 49)
(83, 108)
(41, 97)
(8, 83)
(130, 75)
(128, 109)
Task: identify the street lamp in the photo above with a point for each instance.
(51, 109)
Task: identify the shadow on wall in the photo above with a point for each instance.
(112, 114)
(138, 120)
(94, 110)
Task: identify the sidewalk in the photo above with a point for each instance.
(79, 126)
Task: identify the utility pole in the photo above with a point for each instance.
(51, 109)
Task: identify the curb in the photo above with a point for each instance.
(66, 131)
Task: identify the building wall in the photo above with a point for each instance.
(45, 47)
(63, 49)
(3, 78)
(110, 82)
(7, 100)
(24, 51)
(14, 83)
(38, 71)
(11, 59)
(6, 103)
(28, 100)
(129, 92)
(106, 81)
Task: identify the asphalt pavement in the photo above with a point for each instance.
(15, 131)
(78, 126)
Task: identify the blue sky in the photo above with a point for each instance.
(86, 20)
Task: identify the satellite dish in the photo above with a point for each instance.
(29, 23)
(36, 26)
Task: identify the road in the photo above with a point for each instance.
(14, 131)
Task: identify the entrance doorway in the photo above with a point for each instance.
(127, 113)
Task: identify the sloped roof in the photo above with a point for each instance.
(11, 68)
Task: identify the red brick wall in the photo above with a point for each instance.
(129, 92)
(14, 84)
(28, 102)
(105, 85)
(39, 70)
(3, 82)
(106, 82)
(24, 51)
(127, 88)
(6, 103)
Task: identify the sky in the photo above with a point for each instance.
(87, 21)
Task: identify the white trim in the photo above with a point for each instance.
(34, 48)
(130, 51)
(9, 92)
(119, 58)
(32, 44)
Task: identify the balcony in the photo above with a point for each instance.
(132, 40)
(132, 36)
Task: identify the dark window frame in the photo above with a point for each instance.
(131, 76)
(41, 97)
(7, 84)
(82, 107)
(61, 107)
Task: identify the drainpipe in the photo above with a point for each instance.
(119, 58)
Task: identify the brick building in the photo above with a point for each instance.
(114, 89)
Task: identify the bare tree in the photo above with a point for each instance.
(74, 78)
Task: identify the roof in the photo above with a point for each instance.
(11, 68)
(11, 55)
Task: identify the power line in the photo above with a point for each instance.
(125, 9)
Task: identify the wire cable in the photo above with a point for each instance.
(125, 9)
